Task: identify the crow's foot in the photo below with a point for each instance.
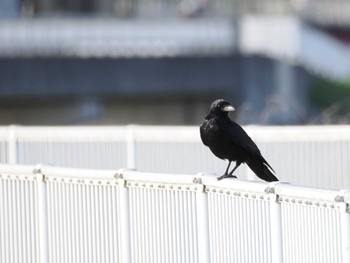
(226, 176)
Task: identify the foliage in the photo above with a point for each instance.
(325, 93)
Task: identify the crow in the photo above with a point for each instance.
(227, 140)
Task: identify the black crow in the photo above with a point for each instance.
(227, 140)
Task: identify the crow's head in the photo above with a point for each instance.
(221, 107)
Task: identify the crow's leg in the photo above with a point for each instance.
(225, 174)
(234, 169)
(228, 167)
(231, 173)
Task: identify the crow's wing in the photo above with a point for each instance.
(239, 137)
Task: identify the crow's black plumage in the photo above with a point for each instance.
(227, 140)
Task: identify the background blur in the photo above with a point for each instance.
(98, 62)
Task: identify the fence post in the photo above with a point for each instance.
(276, 224)
(42, 213)
(203, 225)
(12, 145)
(124, 217)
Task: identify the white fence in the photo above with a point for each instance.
(317, 156)
(50, 214)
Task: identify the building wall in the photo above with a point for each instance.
(148, 91)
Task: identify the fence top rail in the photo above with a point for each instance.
(210, 181)
(281, 189)
(52, 171)
(130, 175)
(347, 198)
(78, 133)
(288, 190)
(172, 133)
(17, 169)
(299, 133)
(78, 173)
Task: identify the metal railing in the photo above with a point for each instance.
(316, 156)
(51, 214)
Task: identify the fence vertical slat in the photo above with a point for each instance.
(276, 225)
(124, 218)
(43, 215)
(202, 222)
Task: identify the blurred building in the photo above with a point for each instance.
(163, 62)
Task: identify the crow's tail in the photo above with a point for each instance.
(262, 169)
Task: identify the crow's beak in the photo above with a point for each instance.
(228, 108)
